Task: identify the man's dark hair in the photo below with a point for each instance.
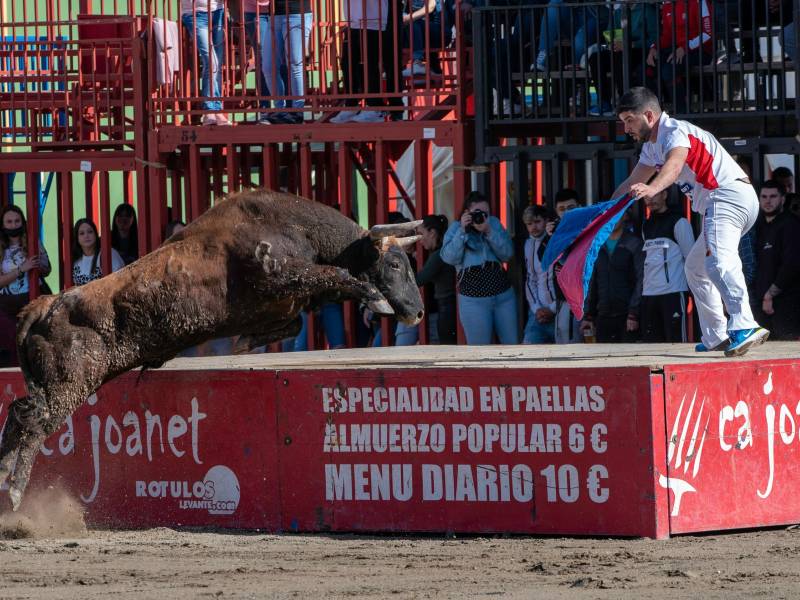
(566, 194)
(536, 210)
(637, 100)
(782, 172)
(774, 185)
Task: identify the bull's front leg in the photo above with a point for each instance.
(299, 278)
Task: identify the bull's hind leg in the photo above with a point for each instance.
(24, 433)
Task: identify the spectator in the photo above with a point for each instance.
(580, 23)
(541, 303)
(284, 48)
(125, 233)
(785, 177)
(606, 61)
(676, 52)
(777, 286)
(668, 238)
(369, 38)
(15, 276)
(195, 16)
(174, 227)
(331, 318)
(425, 21)
(476, 245)
(566, 329)
(86, 259)
(442, 275)
(256, 26)
(615, 293)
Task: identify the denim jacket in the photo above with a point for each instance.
(462, 249)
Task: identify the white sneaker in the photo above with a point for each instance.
(344, 117)
(209, 119)
(370, 116)
(263, 119)
(416, 68)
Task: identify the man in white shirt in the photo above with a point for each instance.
(683, 153)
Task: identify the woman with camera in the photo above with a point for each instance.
(476, 246)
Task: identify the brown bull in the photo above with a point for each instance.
(248, 266)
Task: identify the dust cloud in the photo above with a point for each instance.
(46, 513)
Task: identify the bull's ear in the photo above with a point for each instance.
(377, 232)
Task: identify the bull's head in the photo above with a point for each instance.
(391, 271)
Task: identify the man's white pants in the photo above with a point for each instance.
(713, 267)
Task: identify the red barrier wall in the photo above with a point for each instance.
(741, 469)
(525, 450)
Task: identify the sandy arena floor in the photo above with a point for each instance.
(162, 563)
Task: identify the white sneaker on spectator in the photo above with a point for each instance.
(222, 120)
(263, 119)
(370, 116)
(417, 68)
(344, 117)
(209, 120)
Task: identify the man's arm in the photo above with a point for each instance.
(640, 174)
(668, 174)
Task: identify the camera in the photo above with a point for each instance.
(478, 216)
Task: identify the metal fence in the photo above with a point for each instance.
(571, 62)
(75, 72)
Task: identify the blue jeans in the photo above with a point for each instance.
(404, 335)
(559, 22)
(286, 34)
(790, 41)
(538, 333)
(481, 317)
(331, 317)
(258, 46)
(418, 35)
(197, 28)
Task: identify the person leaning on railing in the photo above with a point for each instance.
(608, 57)
(672, 59)
(285, 45)
(195, 16)
(368, 45)
(17, 263)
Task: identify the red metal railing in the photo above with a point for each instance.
(68, 76)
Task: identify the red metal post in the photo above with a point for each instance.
(64, 185)
(32, 204)
(105, 224)
(422, 200)
(345, 176)
(381, 205)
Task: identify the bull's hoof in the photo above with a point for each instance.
(15, 496)
(380, 307)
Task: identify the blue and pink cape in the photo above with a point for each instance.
(575, 244)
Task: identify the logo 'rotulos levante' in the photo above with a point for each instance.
(218, 492)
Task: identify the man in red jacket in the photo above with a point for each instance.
(685, 42)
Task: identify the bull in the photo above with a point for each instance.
(248, 266)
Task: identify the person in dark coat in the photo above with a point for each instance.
(777, 284)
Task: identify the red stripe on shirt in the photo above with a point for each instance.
(700, 161)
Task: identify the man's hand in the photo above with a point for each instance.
(632, 324)
(651, 57)
(642, 190)
(677, 56)
(544, 315)
(766, 304)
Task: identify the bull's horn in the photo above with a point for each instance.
(405, 242)
(377, 232)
